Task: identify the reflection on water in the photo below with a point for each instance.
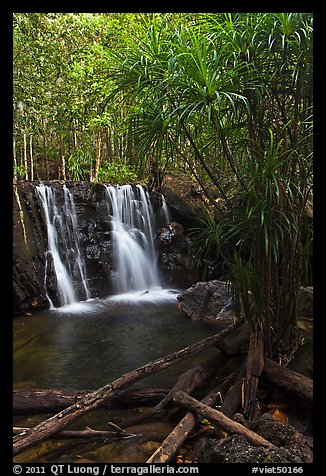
(86, 345)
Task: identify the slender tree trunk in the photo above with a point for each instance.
(98, 155)
(44, 150)
(25, 156)
(31, 156)
(76, 136)
(15, 159)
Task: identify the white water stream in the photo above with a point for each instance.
(135, 276)
(135, 261)
(67, 261)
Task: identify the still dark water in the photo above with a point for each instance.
(86, 346)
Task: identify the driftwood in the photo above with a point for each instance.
(290, 382)
(180, 433)
(193, 378)
(219, 419)
(37, 401)
(254, 368)
(188, 381)
(46, 429)
(88, 433)
(232, 400)
(225, 387)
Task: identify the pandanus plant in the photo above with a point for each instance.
(230, 96)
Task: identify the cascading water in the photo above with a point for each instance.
(132, 219)
(67, 262)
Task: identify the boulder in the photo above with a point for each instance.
(207, 301)
(290, 445)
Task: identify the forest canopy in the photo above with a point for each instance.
(96, 95)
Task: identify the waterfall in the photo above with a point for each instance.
(132, 220)
(68, 266)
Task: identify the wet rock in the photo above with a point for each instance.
(172, 236)
(28, 250)
(183, 210)
(306, 297)
(302, 361)
(291, 446)
(178, 267)
(207, 301)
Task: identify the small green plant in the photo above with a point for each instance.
(116, 172)
(19, 171)
(76, 166)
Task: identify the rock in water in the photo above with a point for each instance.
(207, 301)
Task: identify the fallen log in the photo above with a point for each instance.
(289, 381)
(47, 428)
(180, 433)
(37, 401)
(188, 381)
(88, 433)
(224, 387)
(219, 419)
(193, 378)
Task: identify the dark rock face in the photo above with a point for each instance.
(207, 301)
(181, 211)
(177, 265)
(95, 235)
(28, 250)
(291, 446)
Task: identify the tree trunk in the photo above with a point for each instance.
(35, 401)
(15, 159)
(220, 420)
(31, 155)
(93, 400)
(98, 155)
(254, 368)
(25, 156)
(290, 382)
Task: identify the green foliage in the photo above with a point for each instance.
(19, 171)
(76, 167)
(116, 173)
